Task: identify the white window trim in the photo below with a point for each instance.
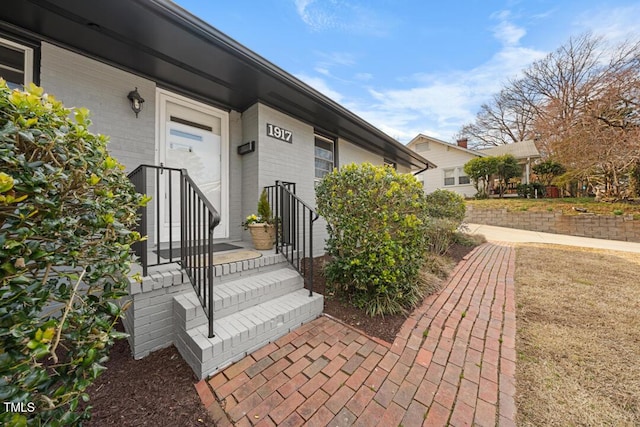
(28, 58)
(445, 177)
(458, 171)
(333, 161)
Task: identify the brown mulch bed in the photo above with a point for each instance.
(385, 327)
(155, 391)
(159, 389)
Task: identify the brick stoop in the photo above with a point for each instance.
(252, 307)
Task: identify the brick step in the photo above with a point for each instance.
(245, 331)
(235, 270)
(236, 295)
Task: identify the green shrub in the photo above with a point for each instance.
(548, 170)
(446, 204)
(264, 210)
(66, 213)
(531, 191)
(377, 236)
(479, 170)
(507, 167)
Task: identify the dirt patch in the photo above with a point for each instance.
(578, 338)
(155, 391)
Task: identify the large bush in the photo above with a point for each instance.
(66, 213)
(446, 204)
(377, 223)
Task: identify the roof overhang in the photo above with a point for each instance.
(159, 40)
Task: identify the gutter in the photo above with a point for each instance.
(424, 170)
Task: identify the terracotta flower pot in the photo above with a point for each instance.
(263, 235)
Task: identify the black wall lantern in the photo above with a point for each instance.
(136, 101)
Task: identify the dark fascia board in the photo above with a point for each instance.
(68, 23)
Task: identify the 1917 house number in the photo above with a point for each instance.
(279, 133)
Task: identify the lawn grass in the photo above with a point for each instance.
(578, 337)
(566, 205)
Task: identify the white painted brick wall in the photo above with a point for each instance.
(351, 153)
(149, 319)
(293, 162)
(235, 175)
(249, 168)
(82, 82)
(280, 160)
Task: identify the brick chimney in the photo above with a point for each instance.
(462, 142)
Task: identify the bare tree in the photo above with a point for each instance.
(582, 104)
(506, 119)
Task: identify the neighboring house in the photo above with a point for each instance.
(451, 159)
(236, 122)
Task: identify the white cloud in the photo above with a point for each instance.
(343, 15)
(336, 58)
(321, 86)
(439, 104)
(436, 103)
(363, 76)
(505, 31)
(615, 24)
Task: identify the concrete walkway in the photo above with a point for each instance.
(452, 363)
(503, 234)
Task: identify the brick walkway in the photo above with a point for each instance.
(452, 363)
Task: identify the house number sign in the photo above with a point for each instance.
(279, 133)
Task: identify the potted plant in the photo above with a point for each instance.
(261, 227)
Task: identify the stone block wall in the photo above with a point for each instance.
(622, 227)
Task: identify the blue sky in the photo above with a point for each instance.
(412, 66)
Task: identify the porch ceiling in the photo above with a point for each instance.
(159, 40)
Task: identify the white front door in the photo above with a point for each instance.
(194, 137)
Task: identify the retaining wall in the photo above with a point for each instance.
(622, 227)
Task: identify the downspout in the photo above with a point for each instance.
(420, 171)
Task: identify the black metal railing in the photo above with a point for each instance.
(271, 192)
(294, 229)
(178, 210)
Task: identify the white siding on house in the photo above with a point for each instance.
(447, 158)
(78, 81)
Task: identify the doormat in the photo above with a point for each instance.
(230, 257)
(223, 258)
(175, 252)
